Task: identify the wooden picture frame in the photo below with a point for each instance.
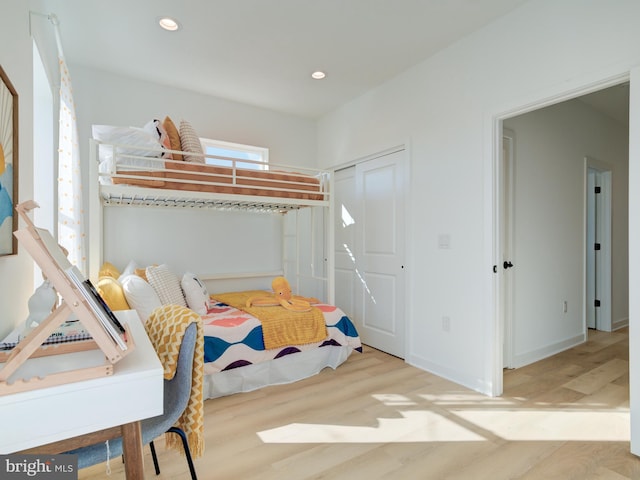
(8, 165)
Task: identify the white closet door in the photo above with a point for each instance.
(370, 248)
(344, 187)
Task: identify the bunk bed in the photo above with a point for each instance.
(236, 358)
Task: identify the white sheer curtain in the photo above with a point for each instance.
(70, 211)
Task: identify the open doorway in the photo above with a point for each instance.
(544, 285)
(598, 245)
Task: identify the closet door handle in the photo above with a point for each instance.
(507, 265)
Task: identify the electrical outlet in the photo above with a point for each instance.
(446, 324)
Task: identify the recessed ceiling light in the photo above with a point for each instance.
(169, 23)
(318, 75)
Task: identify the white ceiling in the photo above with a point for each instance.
(262, 52)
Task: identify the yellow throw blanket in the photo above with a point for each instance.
(280, 327)
(166, 327)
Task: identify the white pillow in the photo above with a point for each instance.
(166, 284)
(141, 142)
(131, 267)
(140, 295)
(195, 293)
(157, 131)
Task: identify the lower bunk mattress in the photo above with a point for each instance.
(236, 359)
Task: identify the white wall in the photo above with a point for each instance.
(224, 243)
(634, 258)
(104, 98)
(550, 146)
(446, 107)
(16, 272)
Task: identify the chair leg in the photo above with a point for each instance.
(187, 451)
(154, 457)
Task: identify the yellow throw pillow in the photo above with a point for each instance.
(111, 291)
(108, 270)
(174, 137)
(142, 273)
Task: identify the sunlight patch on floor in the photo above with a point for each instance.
(466, 398)
(549, 425)
(415, 426)
(465, 426)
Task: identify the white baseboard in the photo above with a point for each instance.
(476, 384)
(620, 323)
(520, 360)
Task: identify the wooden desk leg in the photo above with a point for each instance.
(132, 451)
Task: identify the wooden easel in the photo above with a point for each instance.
(53, 263)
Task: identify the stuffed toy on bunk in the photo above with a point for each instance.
(282, 296)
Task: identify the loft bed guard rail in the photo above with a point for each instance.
(131, 176)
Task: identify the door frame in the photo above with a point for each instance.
(497, 283)
(507, 175)
(634, 255)
(602, 277)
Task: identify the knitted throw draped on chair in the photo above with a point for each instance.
(166, 327)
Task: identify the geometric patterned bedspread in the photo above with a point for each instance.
(233, 338)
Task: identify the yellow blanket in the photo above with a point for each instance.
(166, 327)
(280, 327)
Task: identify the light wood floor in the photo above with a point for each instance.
(375, 417)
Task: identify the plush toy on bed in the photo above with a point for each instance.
(282, 296)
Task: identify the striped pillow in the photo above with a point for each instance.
(166, 284)
(190, 143)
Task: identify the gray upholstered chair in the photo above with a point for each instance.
(176, 395)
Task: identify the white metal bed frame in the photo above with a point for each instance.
(103, 194)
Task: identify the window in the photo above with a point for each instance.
(258, 157)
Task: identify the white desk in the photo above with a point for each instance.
(39, 417)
